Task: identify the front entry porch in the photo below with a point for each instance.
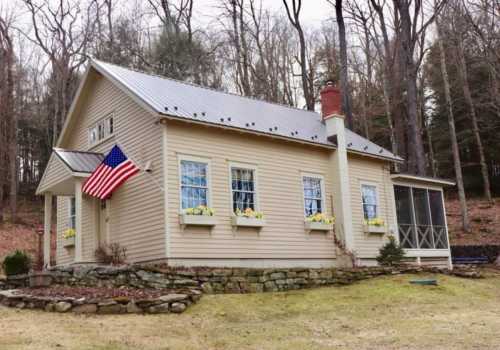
(64, 177)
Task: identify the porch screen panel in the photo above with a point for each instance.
(404, 214)
(422, 218)
(438, 219)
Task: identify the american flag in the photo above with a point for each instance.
(114, 170)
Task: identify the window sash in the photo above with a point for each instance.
(369, 197)
(313, 195)
(243, 188)
(72, 213)
(193, 184)
(101, 130)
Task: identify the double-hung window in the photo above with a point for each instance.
(101, 130)
(313, 195)
(194, 184)
(370, 201)
(72, 213)
(243, 188)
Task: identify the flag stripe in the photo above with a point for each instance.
(105, 171)
(123, 167)
(119, 181)
(91, 181)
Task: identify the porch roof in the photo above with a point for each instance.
(423, 179)
(79, 161)
(62, 169)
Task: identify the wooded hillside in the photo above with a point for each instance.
(420, 77)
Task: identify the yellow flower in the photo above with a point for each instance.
(249, 213)
(374, 222)
(320, 217)
(69, 233)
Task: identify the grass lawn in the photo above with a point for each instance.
(383, 313)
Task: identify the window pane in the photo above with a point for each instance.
(110, 126)
(403, 205)
(313, 196)
(243, 187)
(437, 212)
(421, 206)
(404, 214)
(194, 184)
(369, 198)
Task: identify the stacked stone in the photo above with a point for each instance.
(170, 303)
(228, 280)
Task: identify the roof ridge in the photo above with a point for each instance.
(205, 87)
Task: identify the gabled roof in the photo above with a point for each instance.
(79, 161)
(187, 101)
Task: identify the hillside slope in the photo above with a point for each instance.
(484, 218)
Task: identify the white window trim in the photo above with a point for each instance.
(245, 166)
(189, 158)
(69, 212)
(106, 137)
(323, 193)
(377, 193)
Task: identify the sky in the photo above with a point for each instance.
(313, 11)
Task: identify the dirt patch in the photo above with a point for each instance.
(484, 218)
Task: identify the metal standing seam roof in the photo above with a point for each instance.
(79, 161)
(188, 101)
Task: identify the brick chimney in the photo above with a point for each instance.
(331, 101)
(331, 111)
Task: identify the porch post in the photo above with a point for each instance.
(47, 224)
(78, 220)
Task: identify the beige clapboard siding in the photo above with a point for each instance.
(63, 255)
(279, 194)
(136, 217)
(56, 172)
(362, 169)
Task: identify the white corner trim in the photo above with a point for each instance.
(164, 139)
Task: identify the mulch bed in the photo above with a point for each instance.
(99, 293)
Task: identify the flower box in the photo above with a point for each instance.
(69, 242)
(197, 220)
(374, 229)
(243, 221)
(317, 226)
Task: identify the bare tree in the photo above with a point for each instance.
(453, 135)
(62, 31)
(8, 112)
(344, 78)
(463, 74)
(294, 17)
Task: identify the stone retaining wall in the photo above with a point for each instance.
(226, 280)
(172, 302)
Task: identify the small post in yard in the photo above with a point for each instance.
(39, 234)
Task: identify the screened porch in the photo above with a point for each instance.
(421, 217)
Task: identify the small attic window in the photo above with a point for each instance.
(101, 130)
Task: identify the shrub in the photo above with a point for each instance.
(16, 263)
(111, 254)
(391, 253)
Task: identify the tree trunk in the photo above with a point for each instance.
(462, 70)
(416, 154)
(344, 78)
(453, 135)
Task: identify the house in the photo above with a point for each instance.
(197, 146)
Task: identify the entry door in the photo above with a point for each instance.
(103, 223)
